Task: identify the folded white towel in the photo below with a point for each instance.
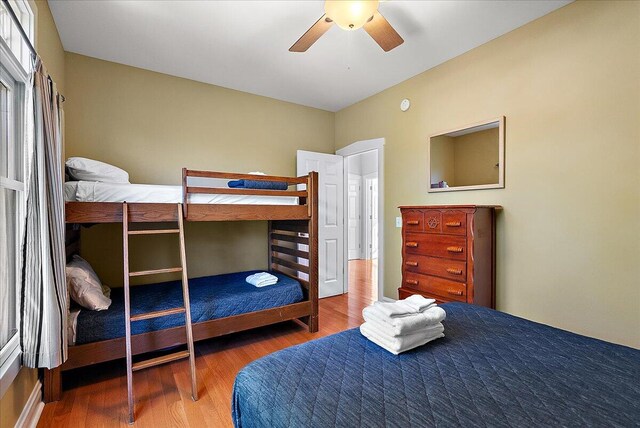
(404, 325)
(262, 279)
(397, 345)
(395, 309)
(419, 303)
(407, 307)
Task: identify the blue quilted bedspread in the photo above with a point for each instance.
(211, 297)
(491, 369)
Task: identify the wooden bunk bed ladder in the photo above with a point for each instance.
(186, 309)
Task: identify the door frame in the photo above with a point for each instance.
(368, 252)
(354, 149)
(360, 214)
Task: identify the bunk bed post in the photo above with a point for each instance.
(52, 384)
(269, 253)
(184, 193)
(312, 203)
(52, 378)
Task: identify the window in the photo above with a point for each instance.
(11, 192)
(14, 79)
(9, 31)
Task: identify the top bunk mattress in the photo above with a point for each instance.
(94, 191)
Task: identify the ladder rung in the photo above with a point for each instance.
(155, 271)
(159, 360)
(153, 231)
(157, 314)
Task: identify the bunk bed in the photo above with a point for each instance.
(292, 217)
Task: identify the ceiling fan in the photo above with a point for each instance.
(351, 15)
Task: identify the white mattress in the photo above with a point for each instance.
(92, 191)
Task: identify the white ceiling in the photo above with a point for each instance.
(244, 44)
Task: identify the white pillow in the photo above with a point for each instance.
(85, 287)
(92, 170)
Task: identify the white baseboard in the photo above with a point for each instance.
(32, 409)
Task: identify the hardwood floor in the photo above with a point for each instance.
(97, 396)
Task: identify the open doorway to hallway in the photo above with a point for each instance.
(362, 223)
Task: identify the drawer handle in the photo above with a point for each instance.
(454, 271)
(414, 264)
(412, 244)
(454, 224)
(454, 249)
(455, 292)
(413, 222)
(412, 281)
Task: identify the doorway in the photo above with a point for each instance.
(367, 249)
(362, 166)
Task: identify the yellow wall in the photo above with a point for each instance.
(48, 43)
(569, 236)
(152, 125)
(50, 50)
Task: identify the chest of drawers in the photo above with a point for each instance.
(448, 253)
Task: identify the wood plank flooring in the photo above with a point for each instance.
(96, 396)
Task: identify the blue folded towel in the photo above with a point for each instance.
(255, 184)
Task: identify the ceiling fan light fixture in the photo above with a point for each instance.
(350, 14)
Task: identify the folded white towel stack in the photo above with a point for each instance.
(404, 324)
(262, 279)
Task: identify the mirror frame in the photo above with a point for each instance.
(501, 137)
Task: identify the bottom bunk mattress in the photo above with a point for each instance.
(491, 369)
(211, 297)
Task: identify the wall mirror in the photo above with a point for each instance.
(468, 158)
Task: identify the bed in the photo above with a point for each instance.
(491, 369)
(213, 297)
(292, 217)
(203, 194)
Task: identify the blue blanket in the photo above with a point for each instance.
(211, 297)
(491, 369)
(255, 184)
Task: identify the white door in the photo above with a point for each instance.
(354, 217)
(330, 218)
(371, 192)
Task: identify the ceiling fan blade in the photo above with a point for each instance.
(383, 33)
(312, 35)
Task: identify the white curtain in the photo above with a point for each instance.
(43, 295)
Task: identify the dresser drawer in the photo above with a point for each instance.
(445, 268)
(454, 222)
(413, 221)
(447, 246)
(444, 288)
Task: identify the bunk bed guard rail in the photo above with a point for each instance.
(196, 212)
